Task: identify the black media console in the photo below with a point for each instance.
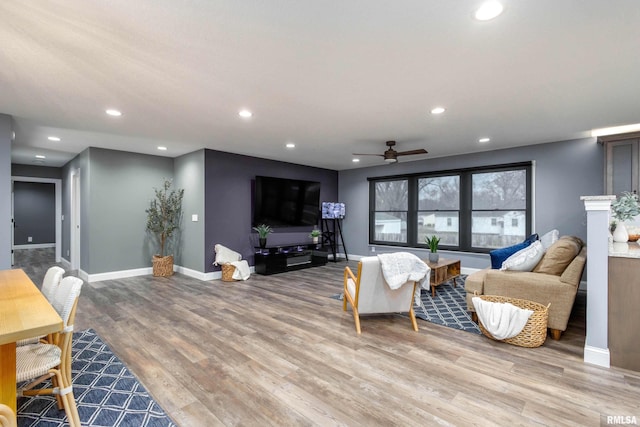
(278, 259)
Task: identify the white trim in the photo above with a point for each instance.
(197, 274)
(123, 274)
(113, 275)
(58, 210)
(597, 356)
(597, 203)
(468, 270)
(36, 246)
(66, 264)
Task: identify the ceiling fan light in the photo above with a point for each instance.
(390, 160)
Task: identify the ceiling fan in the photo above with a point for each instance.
(391, 155)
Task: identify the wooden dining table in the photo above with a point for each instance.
(24, 313)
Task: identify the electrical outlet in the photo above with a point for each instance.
(373, 248)
(67, 252)
(29, 239)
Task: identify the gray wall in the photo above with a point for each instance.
(36, 171)
(116, 187)
(5, 191)
(229, 180)
(34, 213)
(564, 171)
(189, 175)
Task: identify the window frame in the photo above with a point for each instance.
(465, 209)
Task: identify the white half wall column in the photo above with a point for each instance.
(596, 347)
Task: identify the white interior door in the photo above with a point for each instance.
(75, 221)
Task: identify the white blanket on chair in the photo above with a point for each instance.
(501, 320)
(401, 267)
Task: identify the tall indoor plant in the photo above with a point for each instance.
(164, 215)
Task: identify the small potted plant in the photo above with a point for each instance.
(433, 241)
(263, 231)
(624, 209)
(315, 235)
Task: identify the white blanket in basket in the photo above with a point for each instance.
(501, 320)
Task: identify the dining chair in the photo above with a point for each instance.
(39, 362)
(50, 283)
(7, 417)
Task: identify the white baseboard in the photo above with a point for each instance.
(468, 270)
(597, 356)
(123, 274)
(35, 246)
(113, 275)
(65, 264)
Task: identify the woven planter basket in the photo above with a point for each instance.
(534, 332)
(227, 273)
(162, 266)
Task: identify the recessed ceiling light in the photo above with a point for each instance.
(40, 156)
(245, 114)
(484, 140)
(489, 10)
(114, 113)
(355, 160)
(53, 138)
(161, 148)
(438, 110)
(615, 130)
(291, 145)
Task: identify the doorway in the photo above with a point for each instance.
(75, 221)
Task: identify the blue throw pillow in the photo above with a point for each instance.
(499, 255)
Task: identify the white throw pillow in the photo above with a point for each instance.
(525, 259)
(549, 238)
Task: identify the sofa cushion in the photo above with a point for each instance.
(559, 256)
(498, 256)
(525, 259)
(549, 238)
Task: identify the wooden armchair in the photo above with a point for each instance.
(368, 293)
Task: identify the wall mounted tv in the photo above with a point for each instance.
(281, 202)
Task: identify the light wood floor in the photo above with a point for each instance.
(276, 350)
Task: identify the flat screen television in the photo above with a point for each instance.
(281, 202)
(333, 210)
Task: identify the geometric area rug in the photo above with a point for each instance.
(448, 307)
(107, 393)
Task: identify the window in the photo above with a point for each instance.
(390, 211)
(471, 209)
(501, 195)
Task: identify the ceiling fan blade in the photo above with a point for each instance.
(367, 154)
(410, 152)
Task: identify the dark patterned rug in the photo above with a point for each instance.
(447, 308)
(107, 394)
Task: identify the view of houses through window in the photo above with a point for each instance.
(472, 210)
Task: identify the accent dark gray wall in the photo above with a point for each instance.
(564, 171)
(34, 213)
(189, 175)
(228, 201)
(5, 191)
(36, 171)
(79, 163)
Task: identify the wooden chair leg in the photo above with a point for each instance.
(474, 316)
(356, 318)
(555, 333)
(414, 323)
(344, 302)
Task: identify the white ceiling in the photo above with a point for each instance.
(334, 76)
